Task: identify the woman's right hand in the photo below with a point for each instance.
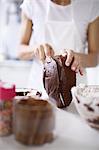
(43, 51)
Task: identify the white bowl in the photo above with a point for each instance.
(86, 99)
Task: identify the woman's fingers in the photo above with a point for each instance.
(81, 71)
(73, 60)
(75, 65)
(70, 55)
(48, 50)
(39, 52)
(43, 51)
(77, 68)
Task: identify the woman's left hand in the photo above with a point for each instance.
(42, 51)
(73, 59)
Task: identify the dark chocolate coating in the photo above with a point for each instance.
(59, 80)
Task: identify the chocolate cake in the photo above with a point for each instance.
(34, 121)
(58, 80)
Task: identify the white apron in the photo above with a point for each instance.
(61, 35)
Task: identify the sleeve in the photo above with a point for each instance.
(26, 7)
(94, 10)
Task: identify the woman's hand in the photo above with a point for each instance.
(43, 51)
(73, 59)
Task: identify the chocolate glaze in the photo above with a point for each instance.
(58, 80)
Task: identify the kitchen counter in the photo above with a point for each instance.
(72, 133)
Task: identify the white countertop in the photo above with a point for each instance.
(72, 133)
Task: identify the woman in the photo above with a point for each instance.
(68, 26)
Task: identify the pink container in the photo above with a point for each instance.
(7, 93)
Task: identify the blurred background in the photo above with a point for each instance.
(10, 20)
(11, 69)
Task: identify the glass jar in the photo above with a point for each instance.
(7, 93)
(34, 121)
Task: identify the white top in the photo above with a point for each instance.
(84, 12)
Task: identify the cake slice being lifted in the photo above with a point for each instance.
(58, 80)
